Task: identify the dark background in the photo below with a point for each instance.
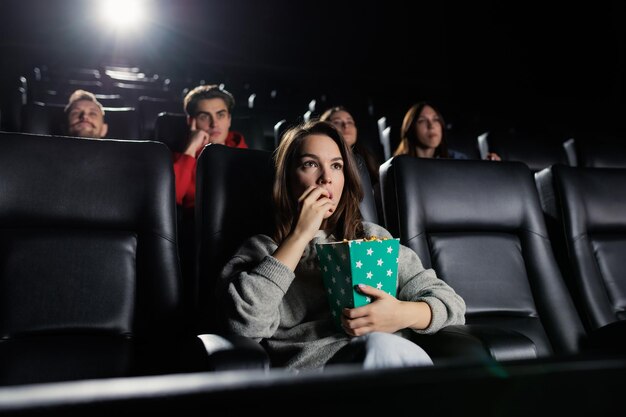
(500, 62)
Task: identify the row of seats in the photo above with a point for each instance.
(153, 119)
(536, 149)
(479, 224)
(91, 265)
(264, 117)
(162, 120)
(90, 273)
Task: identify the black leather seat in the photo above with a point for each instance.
(89, 272)
(463, 141)
(43, 119)
(252, 131)
(537, 150)
(592, 207)
(123, 123)
(172, 130)
(279, 130)
(480, 226)
(149, 109)
(600, 151)
(233, 202)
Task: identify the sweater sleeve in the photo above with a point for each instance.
(184, 170)
(252, 286)
(415, 283)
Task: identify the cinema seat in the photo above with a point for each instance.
(171, 129)
(600, 151)
(90, 282)
(537, 150)
(591, 204)
(480, 226)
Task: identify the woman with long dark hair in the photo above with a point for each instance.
(423, 135)
(272, 288)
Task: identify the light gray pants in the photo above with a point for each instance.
(383, 350)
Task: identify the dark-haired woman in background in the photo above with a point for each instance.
(341, 118)
(423, 135)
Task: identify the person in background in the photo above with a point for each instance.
(423, 135)
(341, 118)
(85, 116)
(343, 121)
(272, 290)
(209, 111)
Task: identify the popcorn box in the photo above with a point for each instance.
(347, 264)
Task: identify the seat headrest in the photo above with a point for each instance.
(466, 194)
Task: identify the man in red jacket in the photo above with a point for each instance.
(208, 111)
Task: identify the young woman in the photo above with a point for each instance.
(272, 288)
(343, 121)
(423, 135)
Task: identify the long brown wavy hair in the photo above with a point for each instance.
(408, 134)
(346, 222)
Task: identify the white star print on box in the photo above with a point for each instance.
(345, 265)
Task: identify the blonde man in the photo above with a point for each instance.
(85, 116)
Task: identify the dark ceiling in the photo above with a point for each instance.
(529, 53)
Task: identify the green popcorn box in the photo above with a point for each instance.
(347, 264)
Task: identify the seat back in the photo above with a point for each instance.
(252, 131)
(89, 238)
(123, 123)
(172, 130)
(463, 141)
(149, 109)
(538, 151)
(43, 119)
(592, 207)
(233, 202)
(480, 226)
(600, 151)
(279, 130)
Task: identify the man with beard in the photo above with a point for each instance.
(85, 116)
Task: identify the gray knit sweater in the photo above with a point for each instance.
(264, 300)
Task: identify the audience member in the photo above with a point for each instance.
(341, 118)
(85, 116)
(423, 135)
(209, 111)
(272, 288)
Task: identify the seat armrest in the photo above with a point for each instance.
(476, 343)
(233, 352)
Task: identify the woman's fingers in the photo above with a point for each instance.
(314, 193)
